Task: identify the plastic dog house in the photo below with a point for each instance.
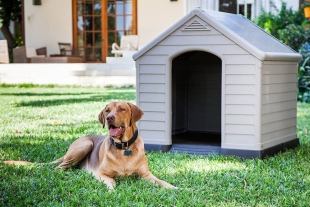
(215, 82)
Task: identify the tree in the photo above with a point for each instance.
(10, 10)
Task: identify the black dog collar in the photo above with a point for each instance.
(125, 145)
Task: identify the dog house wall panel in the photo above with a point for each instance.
(233, 79)
(243, 81)
(153, 59)
(152, 69)
(223, 44)
(152, 87)
(258, 85)
(238, 99)
(152, 98)
(279, 81)
(240, 102)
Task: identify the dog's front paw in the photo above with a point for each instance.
(109, 182)
(168, 185)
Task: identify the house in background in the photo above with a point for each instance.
(92, 26)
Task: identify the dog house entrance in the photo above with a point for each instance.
(196, 103)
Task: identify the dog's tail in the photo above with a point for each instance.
(13, 162)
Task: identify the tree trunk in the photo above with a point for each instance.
(8, 36)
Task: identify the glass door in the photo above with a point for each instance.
(97, 24)
(121, 20)
(88, 36)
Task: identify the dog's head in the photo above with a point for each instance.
(119, 116)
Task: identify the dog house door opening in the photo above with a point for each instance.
(196, 98)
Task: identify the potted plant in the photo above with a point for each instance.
(306, 8)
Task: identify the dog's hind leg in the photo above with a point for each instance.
(77, 151)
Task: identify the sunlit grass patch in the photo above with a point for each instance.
(303, 122)
(38, 123)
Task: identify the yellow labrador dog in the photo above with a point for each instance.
(119, 154)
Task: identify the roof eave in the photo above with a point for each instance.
(289, 57)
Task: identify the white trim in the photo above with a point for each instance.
(258, 103)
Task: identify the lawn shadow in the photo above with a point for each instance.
(38, 152)
(46, 94)
(126, 96)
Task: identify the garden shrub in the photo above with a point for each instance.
(283, 24)
(294, 36)
(291, 28)
(304, 74)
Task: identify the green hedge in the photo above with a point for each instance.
(291, 28)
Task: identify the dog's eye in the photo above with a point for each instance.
(107, 110)
(122, 109)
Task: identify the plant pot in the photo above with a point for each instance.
(307, 12)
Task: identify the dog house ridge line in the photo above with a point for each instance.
(257, 113)
(203, 15)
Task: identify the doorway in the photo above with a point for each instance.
(196, 102)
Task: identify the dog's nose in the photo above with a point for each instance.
(110, 118)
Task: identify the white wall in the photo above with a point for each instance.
(290, 3)
(48, 24)
(155, 16)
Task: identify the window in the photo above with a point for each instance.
(244, 7)
(120, 20)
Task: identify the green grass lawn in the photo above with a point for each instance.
(38, 124)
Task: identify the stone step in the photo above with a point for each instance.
(120, 60)
(96, 74)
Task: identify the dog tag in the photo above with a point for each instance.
(127, 152)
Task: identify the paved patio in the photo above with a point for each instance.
(116, 72)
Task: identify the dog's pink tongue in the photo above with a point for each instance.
(114, 132)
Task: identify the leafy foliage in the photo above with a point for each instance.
(294, 36)
(284, 24)
(304, 74)
(293, 29)
(10, 10)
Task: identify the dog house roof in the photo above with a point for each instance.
(237, 28)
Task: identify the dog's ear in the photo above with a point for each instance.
(136, 113)
(101, 118)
